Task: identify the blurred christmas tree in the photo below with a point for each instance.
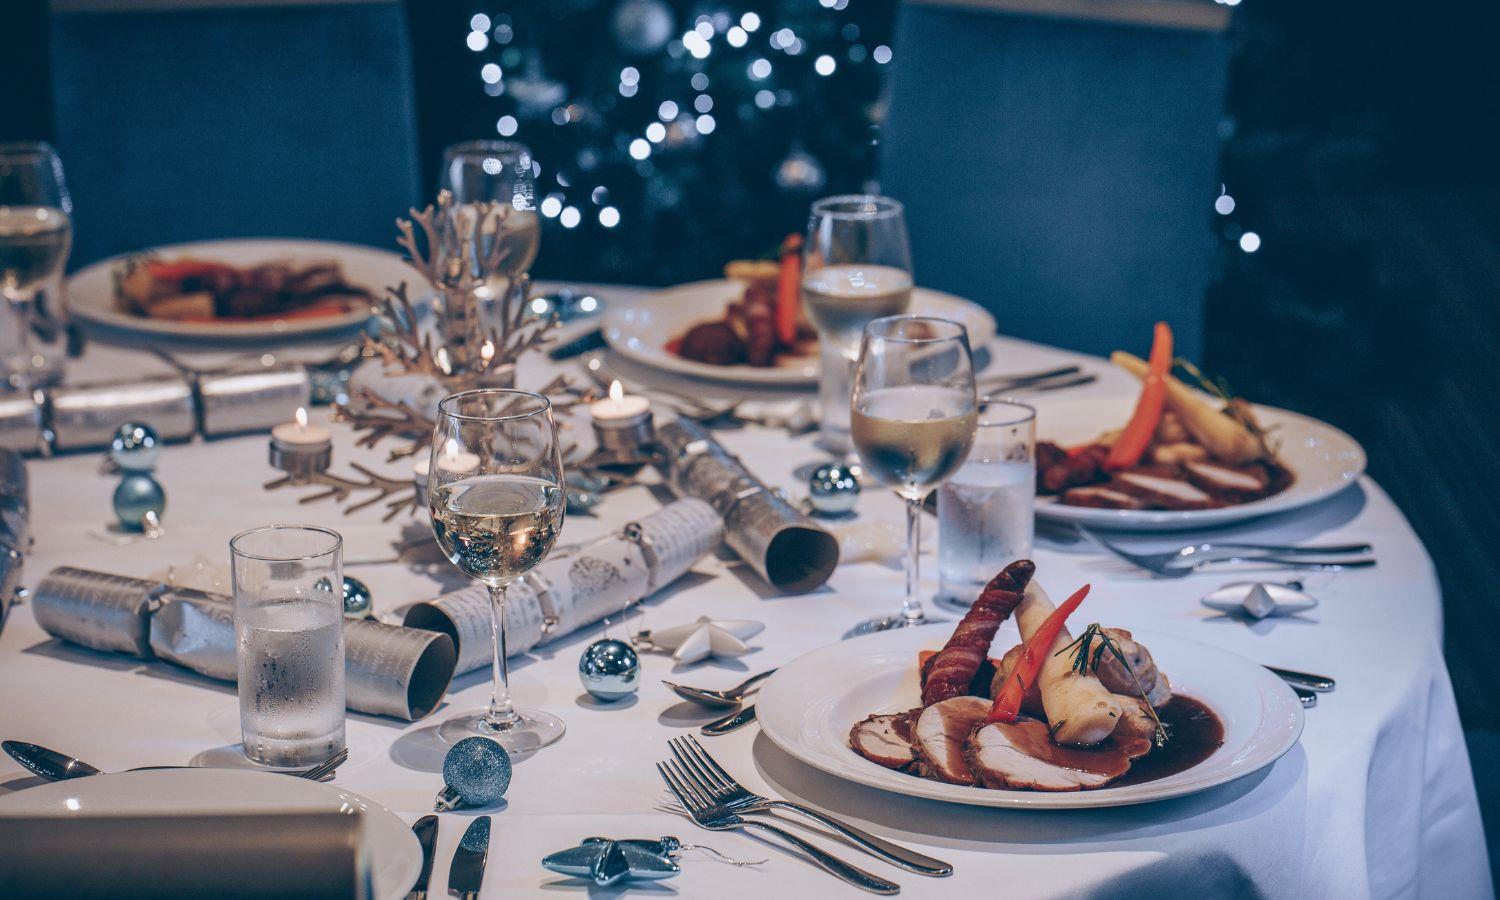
(671, 136)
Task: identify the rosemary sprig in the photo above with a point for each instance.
(1083, 662)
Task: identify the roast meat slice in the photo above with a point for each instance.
(1101, 497)
(1021, 755)
(882, 741)
(1236, 485)
(942, 733)
(1163, 491)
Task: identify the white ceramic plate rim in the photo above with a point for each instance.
(395, 855)
(91, 289)
(1302, 439)
(793, 704)
(703, 300)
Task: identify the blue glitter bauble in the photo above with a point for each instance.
(134, 447)
(358, 603)
(478, 769)
(610, 670)
(137, 495)
(833, 490)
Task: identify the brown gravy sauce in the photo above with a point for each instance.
(1194, 732)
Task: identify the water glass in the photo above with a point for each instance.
(289, 630)
(501, 172)
(986, 510)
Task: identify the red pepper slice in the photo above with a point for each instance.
(1008, 703)
(1133, 441)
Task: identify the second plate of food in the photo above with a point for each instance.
(810, 706)
(1308, 460)
(237, 290)
(647, 331)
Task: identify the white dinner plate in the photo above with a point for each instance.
(395, 855)
(91, 292)
(1324, 460)
(809, 705)
(640, 328)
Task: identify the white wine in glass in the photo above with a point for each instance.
(913, 416)
(36, 233)
(495, 494)
(856, 267)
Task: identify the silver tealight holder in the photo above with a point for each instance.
(301, 449)
(623, 425)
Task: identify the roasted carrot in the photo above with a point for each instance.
(1141, 428)
(788, 287)
(1008, 702)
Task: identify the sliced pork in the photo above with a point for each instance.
(883, 740)
(1233, 484)
(942, 733)
(1162, 490)
(1101, 497)
(1021, 755)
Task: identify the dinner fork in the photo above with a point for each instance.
(715, 816)
(708, 775)
(1184, 561)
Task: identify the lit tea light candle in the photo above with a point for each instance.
(451, 462)
(622, 423)
(300, 447)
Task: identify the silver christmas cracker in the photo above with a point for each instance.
(783, 546)
(570, 591)
(251, 400)
(85, 416)
(97, 610)
(21, 424)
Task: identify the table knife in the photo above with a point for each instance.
(466, 873)
(426, 829)
(1304, 679)
(1308, 698)
(730, 722)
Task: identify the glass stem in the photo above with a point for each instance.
(836, 369)
(911, 607)
(502, 714)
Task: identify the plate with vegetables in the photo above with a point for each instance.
(747, 328)
(1071, 715)
(1186, 453)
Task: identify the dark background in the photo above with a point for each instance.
(1359, 144)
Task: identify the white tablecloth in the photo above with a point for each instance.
(1376, 801)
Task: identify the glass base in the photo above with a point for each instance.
(889, 623)
(531, 730)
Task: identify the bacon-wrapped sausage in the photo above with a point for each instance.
(952, 671)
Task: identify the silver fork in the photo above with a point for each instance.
(721, 787)
(1184, 561)
(323, 771)
(707, 813)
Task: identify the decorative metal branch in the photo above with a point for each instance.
(400, 494)
(375, 418)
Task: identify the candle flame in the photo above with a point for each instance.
(301, 417)
(487, 351)
(441, 358)
(616, 390)
(451, 448)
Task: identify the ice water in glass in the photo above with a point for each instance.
(289, 635)
(985, 511)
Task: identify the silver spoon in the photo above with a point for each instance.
(719, 699)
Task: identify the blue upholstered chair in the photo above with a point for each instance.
(266, 120)
(1059, 169)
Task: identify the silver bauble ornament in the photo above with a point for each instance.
(833, 490)
(358, 603)
(610, 670)
(135, 447)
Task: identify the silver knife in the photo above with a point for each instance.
(730, 722)
(1304, 679)
(426, 829)
(467, 872)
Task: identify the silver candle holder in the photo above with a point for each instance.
(623, 425)
(301, 449)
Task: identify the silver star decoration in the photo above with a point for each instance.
(704, 638)
(605, 860)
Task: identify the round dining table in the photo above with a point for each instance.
(1377, 799)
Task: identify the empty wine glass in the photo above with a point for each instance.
(495, 492)
(856, 267)
(913, 416)
(497, 171)
(36, 233)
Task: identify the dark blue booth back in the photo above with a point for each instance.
(290, 121)
(1062, 173)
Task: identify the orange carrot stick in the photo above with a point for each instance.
(788, 288)
(1133, 441)
(1008, 703)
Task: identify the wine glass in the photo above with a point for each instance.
(495, 492)
(913, 416)
(36, 233)
(856, 267)
(497, 171)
